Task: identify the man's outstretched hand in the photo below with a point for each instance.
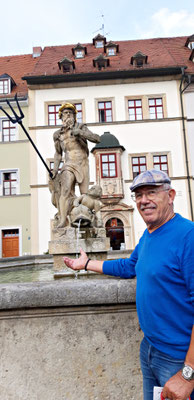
(76, 263)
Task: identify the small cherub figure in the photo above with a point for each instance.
(90, 202)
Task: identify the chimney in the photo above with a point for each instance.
(36, 52)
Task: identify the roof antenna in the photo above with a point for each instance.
(102, 27)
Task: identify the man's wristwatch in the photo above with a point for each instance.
(187, 372)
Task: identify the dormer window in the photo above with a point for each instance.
(190, 42)
(139, 59)
(99, 41)
(66, 65)
(101, 62)
(79, 51)
(111, 49)
(6, 83)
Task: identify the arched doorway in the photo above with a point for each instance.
(115, 231)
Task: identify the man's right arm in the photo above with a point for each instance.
(125, 268)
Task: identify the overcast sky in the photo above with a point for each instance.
(57, 22)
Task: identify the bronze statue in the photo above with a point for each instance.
(70, 139)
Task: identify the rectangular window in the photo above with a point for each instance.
(79, 112)
(161, 163)
(105, 111)
(99, 44)
(4, 86)
(52, 165)
(9, 183)
(53, 114)
(135, 110)
(79, 54)
(111, 51)
(138, 165)
(8, 131)
(156, 108)
(108, 165)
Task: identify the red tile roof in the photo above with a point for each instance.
(161, 52)
(16, 67)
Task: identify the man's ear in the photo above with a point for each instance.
(171, 194)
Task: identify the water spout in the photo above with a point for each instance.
(77, 245)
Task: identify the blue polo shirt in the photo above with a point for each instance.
(163, 263)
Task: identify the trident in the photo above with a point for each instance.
(18, 119)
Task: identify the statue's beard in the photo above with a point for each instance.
(69, 123)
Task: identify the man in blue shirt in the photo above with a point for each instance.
(163, 262)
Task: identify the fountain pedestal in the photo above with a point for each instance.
(67, 242)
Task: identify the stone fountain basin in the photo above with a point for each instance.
(72, 292)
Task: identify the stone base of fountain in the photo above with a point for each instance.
(67, 242)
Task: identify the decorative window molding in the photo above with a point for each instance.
(139, 59)
(66, 65)
(140, 162)
(99, 41)
(105, 112)
(52, 111)
(79, 51)
(155, 109)
(9, 182)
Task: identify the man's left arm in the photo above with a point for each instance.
(177, 387)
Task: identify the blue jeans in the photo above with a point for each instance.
(157, 368)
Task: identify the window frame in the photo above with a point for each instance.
(58, 104)
(138, 165)
(155, 107)
(135, 109)
(51, 161)
(145, 106)
(9, 128)
(2, 180)
(150, 160)
(108, 162)
(160, 162)
(3, 80)
(55, 113)
(104, 100)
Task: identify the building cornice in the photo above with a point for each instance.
(102, 75)
(125, 122)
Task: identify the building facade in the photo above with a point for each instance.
(15, 226)
(137, 95)
(129, 93)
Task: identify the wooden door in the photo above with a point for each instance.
(10, 243)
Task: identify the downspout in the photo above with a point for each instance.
(184, 136)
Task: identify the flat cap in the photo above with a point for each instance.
(151, 177)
